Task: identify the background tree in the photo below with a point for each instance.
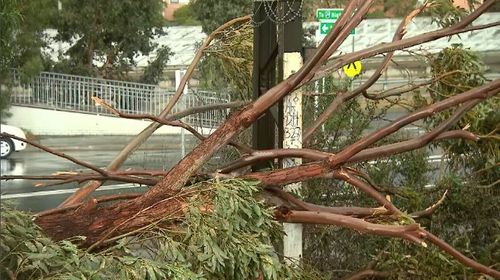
(21, 41)
(213, 13)
(186, 16)
(154, 70)
(227, 64)
(110, 31)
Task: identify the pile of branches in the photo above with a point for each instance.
(101, 222)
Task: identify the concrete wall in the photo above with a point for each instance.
(51, 122)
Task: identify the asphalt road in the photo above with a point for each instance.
(160, 152)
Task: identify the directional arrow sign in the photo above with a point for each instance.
(325, 27)
(352, 69)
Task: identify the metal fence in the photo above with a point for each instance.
(74, 93)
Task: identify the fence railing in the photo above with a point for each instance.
(74, 93)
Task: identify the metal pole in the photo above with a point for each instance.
(178, 77)
(59, 44)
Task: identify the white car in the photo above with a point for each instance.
(8, 145)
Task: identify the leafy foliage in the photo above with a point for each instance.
(406, 261)
(228, 63)
(226, 234)
(446, 12)
(185, 16)
(113, 31)
(483, 120)
(27, 254)
(154, 70)
(214, 13)
(22, 23)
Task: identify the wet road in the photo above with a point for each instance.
(160, 152)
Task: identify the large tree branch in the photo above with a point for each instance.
(344, 97)
(264, 155)
(353, 211)
(482, 92)
(100, 199)
(460, 27)
(410, 232)
(90, 187)
(316, 170)
(364, 155)
(459, 256)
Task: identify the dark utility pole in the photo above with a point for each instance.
(278, 29)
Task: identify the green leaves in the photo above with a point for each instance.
(227, 63)
(154, 70)
(231, 240)
(214, 13)
(457, 70)
(226, 234)
(114, 30)
(446, 13)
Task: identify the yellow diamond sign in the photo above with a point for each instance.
(352, 69)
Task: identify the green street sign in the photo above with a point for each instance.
(327, 18)
(328, 14)
(326, 27)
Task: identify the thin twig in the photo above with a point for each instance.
(459, 256)
(431, 209)
(167, 121)
(80, 177)
(100, 199)
(478, 93)
(56, 153)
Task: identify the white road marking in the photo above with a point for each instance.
(66, 191)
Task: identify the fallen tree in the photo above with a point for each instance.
(102, 222)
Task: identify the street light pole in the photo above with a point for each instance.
(59, 44)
